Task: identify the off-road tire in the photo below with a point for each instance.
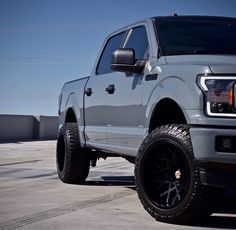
(73, 162)
(168, 178)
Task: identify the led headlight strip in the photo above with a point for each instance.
(220, 94)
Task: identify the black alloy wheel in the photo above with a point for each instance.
(166, 174)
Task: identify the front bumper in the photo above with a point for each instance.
(218, 174)
(214, 150)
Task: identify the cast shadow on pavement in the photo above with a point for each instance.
(224, 216)
(112, 181)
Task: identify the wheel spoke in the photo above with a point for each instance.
(168, 191)
(177, 193)
(160, 171)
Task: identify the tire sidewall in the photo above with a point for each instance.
(62, 136)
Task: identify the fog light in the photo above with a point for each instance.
(226, 144)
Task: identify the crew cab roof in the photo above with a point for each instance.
(195, 17)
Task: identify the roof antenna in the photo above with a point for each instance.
(174, 14)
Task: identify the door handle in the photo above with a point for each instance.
(110, 89)
(88, 92)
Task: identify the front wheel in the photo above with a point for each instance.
(168, 178)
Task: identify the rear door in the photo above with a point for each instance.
(95, 94)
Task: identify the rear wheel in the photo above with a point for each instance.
(168, 178)
(73, 162)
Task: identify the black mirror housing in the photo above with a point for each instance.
(123, 56)
(123, 60)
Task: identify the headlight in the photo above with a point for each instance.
(220, 93)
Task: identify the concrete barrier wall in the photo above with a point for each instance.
(48, 127)
(21, 127)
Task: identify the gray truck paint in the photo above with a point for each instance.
(119, 122)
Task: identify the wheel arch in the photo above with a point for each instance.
(70, 116)
(72, 110)
(73, 115)
(166, 111)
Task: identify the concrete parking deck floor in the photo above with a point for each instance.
(32, 196)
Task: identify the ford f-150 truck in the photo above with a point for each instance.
(162, 94)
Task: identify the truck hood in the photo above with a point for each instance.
(219, 64)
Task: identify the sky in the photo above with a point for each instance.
(44, 43)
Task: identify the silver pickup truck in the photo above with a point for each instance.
(162, 94)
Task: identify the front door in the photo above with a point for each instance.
(125, 110)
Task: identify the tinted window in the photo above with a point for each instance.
(113, 44)
(198, 36)
(139, 42)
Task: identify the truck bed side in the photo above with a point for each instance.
(71, 104)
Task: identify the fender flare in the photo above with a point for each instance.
(167, 88)
(76, 106)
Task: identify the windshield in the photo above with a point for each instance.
(196, 36)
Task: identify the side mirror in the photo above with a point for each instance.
(123, 60)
